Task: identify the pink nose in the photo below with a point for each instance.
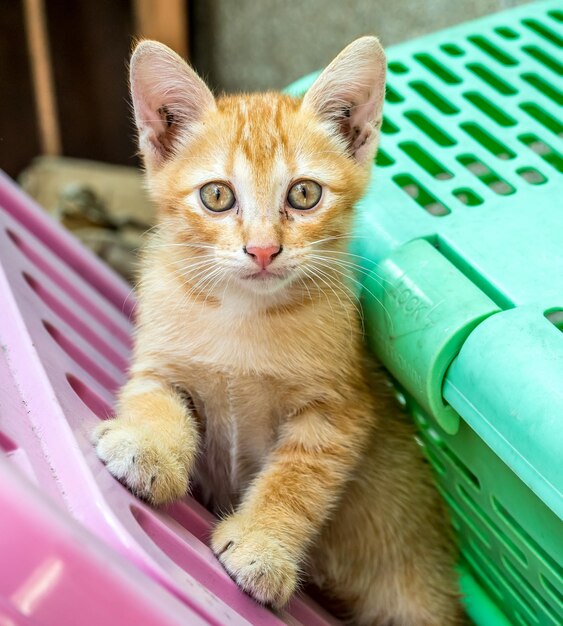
(263, 255)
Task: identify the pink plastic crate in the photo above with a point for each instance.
(65, 343)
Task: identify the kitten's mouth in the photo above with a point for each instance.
(263, 275)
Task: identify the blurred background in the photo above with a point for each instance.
(65, 125)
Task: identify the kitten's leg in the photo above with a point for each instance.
(263, 544)
(387, 555)
(152, 443)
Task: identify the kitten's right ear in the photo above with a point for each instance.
(169, 98)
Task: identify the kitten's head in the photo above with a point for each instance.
(256, 192)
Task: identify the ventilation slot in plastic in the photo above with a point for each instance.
(486, 175)
(429, 128)
(466, 521)
(452, 49)
(439, 70)
(531, 597)
(543, 117)
(392, 95)
(480, 565)
(558, 17)
(544, 58)
(62, 311)
(544, 87)
(555, 593)
(427, 162)
(506, 33)
(555, 316)
(49, 270)
(490, 143)
(396, 67)
(388, 127)
(468, 196)
(543, 150)
(489, 109)
(526, 539)
(6, 444)
(193, 517)
(531, 175)
(492, 79)
(382, 159)
(91, 399)
(421, 195)
(81, 359)
(544, 31)
(434, 98)
(493, 51)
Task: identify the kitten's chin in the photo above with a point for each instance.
(265, 282)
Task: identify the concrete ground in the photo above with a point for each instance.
(245, 45)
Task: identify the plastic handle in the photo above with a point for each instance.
(419, 311)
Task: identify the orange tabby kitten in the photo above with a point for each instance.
(245, 306)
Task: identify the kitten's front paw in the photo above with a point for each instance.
(153, 465)
(255, 560)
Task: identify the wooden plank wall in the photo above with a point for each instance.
(63, 68)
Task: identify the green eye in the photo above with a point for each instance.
(304, 195)
(217, 197)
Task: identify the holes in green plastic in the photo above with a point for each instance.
(543, 150)
(433, 97)
(530, 544)
(555, 316)
(490, 143)
(396, 67)
(421, 195)
(552, 590)
(476, 509)
(506, 33)
(485, 174)
(544, 87)
(543, 31)
(429, 128)
(382, 159)
(388, 127)
(544, 58)
(520, 620)
(475, 562)
(492, 79)
(465, 519)
(522, 585)
(489, 109)
(492, 50)
(452, 49)
(425, 160)
(558, 17)
(470, 478)
(439, 70)
(392, 95)
(467, 196)
(543, 117)
(531, 175)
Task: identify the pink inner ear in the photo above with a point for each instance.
(160, 79)
(355, 79)
(364, 127)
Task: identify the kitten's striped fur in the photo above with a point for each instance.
(291, 432)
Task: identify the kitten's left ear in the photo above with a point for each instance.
(169, 99)
(349, 96)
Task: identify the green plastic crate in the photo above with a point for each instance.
(461, 234)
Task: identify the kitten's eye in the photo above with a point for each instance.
(217, 197)
(304, 195)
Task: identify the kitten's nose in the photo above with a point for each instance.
(263, 255)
